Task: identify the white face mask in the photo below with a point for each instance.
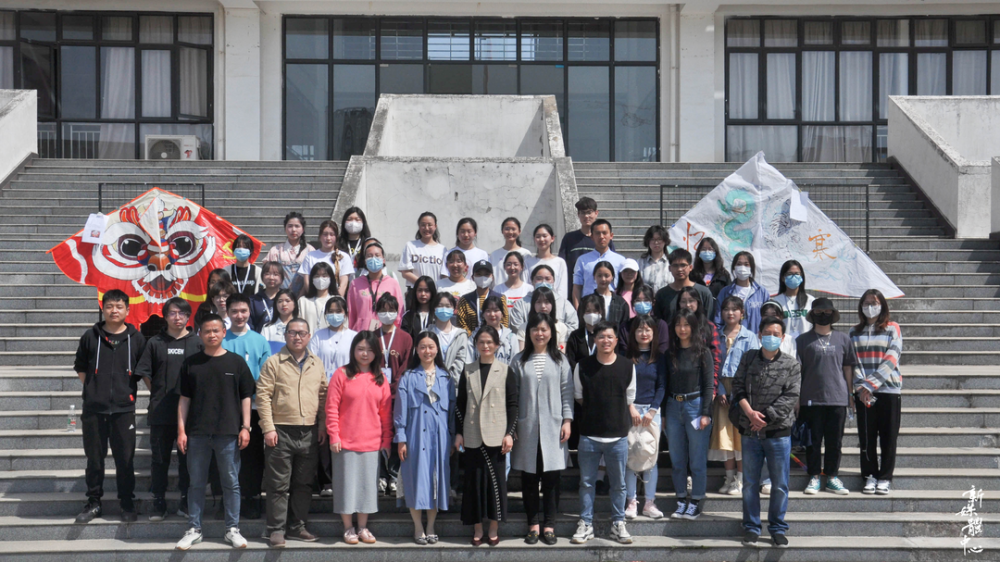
(387, 317)
(321, 283)
(872, 310)
(483, 282)
(591, 318)
(742, 272)
(354, 227)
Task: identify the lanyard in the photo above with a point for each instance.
(385, 350)
(355, 248)
(374, 290)
(586, 339)
(246, 278)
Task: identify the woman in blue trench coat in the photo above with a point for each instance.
(424, 404)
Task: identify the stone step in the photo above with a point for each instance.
(648, 196)
(651, 214)
(730, 166)
(641, 171)
(194, 164)
(673, 205)
(688, 181)
(892, 267)
(59, 232)
(951, 344)
(625, 221)
(232, 213)
(852, 228)
(951, 358)
(214, 200)
(240, 216)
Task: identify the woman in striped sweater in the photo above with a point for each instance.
(877, 385)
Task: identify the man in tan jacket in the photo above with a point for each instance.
(291, 393)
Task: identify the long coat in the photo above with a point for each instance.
(542, 407)
(424, 427)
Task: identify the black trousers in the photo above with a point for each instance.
(549, 493)
(161, 444)
(119, 430)
(878, 427)
(826, 424)
(252, 460)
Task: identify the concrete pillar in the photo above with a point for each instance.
(242, 84)
(698, 125)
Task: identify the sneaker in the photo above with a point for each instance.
(727, 485)
(765, 490)
(327, 491)
(159, 510)
(813, 486)
(833, 484)
(737, 488)
(779, 541)
(620, 533)
(366, 536)
(128, 514)
(584, 532)
(90, 511)
(682, 506)
(650, 510)
(383, 485)
(750, 539)
(276, 539)
(182, 507)
(391, 489)
(351, 536)
(632, 509)
(301, 535)
(693, 510)
(191, 537)
(883, 487)
(234, 538)
(870, 484)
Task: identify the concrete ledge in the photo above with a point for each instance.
(18, 130)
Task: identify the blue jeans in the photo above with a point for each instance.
(687, 445)
(650, 477)
(227, 456)
(775, 452)
(589, 454)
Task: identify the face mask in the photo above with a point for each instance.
(354, 227)
(591, 318)
(770, 343)
(643, 307)
(742, 272)
(483, 282)
(543, 284)
(824, 319)
(242, 254)
(793, 281)
(444, 314)
(335, 319)
(707, 256)
(387, 317)
(374, 264)
(321, 283)
(872, 310)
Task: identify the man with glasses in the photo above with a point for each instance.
(575, 244)
(160, 369)
(666, 298)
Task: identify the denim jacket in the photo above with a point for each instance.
(745, 341)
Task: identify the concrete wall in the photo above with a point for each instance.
(995, 197)
(18, 129)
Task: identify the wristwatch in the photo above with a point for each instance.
(246, 427)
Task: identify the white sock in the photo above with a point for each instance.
(739, 478)
(731, 473)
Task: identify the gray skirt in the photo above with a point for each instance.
(355, 482)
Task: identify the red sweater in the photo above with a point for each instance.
(358, 412)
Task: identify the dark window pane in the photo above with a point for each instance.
(589, 100)
(117, 82)
(98, 140)
(6, 68)
(970, 32)
(780, 144)
(881, 143)
(155, 29)
(306, 111)
(932, 74)
(856, 33)
(818, 33)
(494, 79)
(402, 40)
(541, 41)
(635, 40)
(38, 26)
(194, 29)
(743, 33)
(116, 28)
(781, 33)
(894, 79)
(7, 30)
(544, 80)
(306, 38)
(781, 86)
(353, 108)
(744, 79)
(496, 40)
(931, 33)
(156, 91)
(194, 83)
(202, 131)
(401, 78)
(818, 75)
(855, 86)
(968, 73)
(996, 31)
(994, 73)
(37, 73)
(78, 83)
(837, 144)
(893, 33)
(448, 40)
(635, 114)
(78, 28)
(354, 39)
(589, 41)
(449, 79)
(47, 146)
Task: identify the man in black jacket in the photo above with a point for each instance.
(105, 362)
(160, 369)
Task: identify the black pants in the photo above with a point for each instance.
(389, 468)
(161, 444)
(119, 430)
(878, 426)
(826, 423)
(291, 469)
(550, 493)
(252, 460)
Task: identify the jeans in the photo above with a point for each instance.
(775, 452)
(589, 456)
(199, 455)
(651, 476)
(687, 445)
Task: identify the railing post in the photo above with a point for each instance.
(100, 198)
(661, 204)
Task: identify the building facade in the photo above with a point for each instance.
(634, 81)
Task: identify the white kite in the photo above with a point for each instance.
(751, 210)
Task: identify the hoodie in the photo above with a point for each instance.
(108, 362)
(161, 364)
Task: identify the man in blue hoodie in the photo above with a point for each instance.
(105, 361)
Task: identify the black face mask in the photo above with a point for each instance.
(824, 319)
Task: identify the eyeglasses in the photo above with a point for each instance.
(296, 334)
(177, 314)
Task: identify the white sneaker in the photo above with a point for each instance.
(883, 487)
(584, 533)
(620, 533)
(327, 491)
(632, 509)
(737, 488)
(191, 537)
(382, 485)
(234, 538)
(870, 484)
(727, 485)
(765, 490)
(650, 510)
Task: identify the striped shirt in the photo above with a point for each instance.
(877, 368)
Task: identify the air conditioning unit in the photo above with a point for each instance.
(172, 147)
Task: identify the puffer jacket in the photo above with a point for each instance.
(771, 387)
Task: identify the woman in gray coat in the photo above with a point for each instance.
(545, 410)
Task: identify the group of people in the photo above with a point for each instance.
(315, 369)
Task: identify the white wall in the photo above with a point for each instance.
(242, 70)
(995, 196)
(18, 129)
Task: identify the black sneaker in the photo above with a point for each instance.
(129, 515)
(750, 539)
(693, 510)
(158, 511)
(682, 506)
(779, 541)
(90, 511)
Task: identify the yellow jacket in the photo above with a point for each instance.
(288, 395)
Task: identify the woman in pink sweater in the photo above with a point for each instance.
(359, 423)
(365, 291)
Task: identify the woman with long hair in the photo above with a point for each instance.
(709, 268)
(312, 305)
(292, 251)
(544, 237)
(650, 388)
(328, 253)
(465, 240)
(795, 302)
(424, 255)
(353, 231)
(419, 314)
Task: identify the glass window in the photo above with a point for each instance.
(635, 114)
(6, 68)
(494, 79)
(202, 131)
(779, 143)
(78, 83)
(781, 33)
(855, 86)
(448, 40)
(402, 40)
(589, 138)
(544, 80)
(968, 73)
(994, 73)
(893, 33)
(894, 79)
(353, 108)
(635, 40)
(931, 33)
(932, 74)
(589, 41)
(996, 31)
(744, 76)
(743, 33)
(818, 33)
(449, 79)
(194, 29)
(496, 40)
(155, 29)
(38, 73)
(193, 83)
(38, 26)
(401, 78)
(306, 38)
(851, 143)
(117, 83)
(116, 28)
(78, 28)
(818, 85)
(156, 84)
(306, 111)
(7, 29)
(856, 33)
(98, 140)
(353, 39)
(541, 41)
(781, 86)
(881, 143)
(970, 32)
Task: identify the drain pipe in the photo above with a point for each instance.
(674, 154)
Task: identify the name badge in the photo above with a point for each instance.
(387, 373)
